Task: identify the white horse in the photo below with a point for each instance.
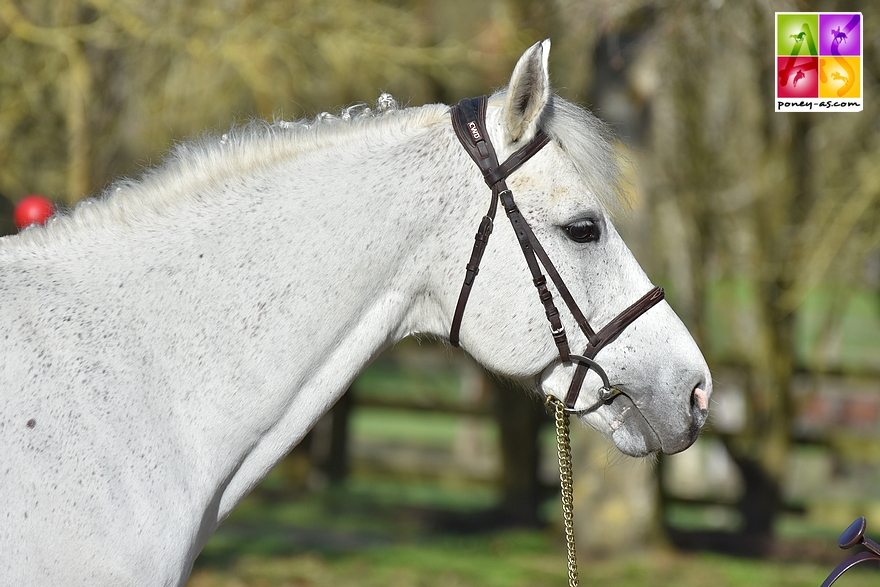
(164, 346)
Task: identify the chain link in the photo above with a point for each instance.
(563, 447)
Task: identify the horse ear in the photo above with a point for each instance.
(529, 91)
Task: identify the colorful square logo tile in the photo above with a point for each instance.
(798, 77)
(818, 60)
(840, 34)
(839, 77)
(796, 34)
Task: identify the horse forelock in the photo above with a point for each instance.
(589, 144)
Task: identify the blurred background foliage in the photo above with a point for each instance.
(762, 226)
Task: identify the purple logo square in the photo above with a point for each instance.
(840, 34)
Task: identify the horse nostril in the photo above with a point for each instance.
(700, 404)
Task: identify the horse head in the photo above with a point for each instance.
(567, 193)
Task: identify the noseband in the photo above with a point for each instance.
(469, 122)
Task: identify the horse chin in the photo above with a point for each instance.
(630, 431)
(634, 434)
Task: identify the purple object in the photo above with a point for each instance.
(840, 34)
(853, 536)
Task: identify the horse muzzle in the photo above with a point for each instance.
(640, 419)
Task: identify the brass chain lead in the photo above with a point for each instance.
(563, 447)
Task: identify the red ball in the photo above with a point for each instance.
(33, 209)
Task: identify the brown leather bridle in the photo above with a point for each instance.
(469, 122)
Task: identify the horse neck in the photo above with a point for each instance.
(330, 264)
(167, 359)
(230, 322)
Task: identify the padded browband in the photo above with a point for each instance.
(469, 122)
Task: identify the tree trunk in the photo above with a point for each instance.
(615, 497)
(519, 416)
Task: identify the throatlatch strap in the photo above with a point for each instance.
(481, 239)
(469, 122)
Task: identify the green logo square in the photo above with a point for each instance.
(796, 33)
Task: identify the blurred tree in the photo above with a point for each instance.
(741, 195)
(773, 203)
(615, 498)
(7, 224)
(121, 79)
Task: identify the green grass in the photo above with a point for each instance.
(359, 514)
(513, 559)
(502, 560)
(373, 532)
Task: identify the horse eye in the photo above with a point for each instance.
(584, 231)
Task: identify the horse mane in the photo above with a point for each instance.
(260, 145)
(213, 158)
(257, 145)
(589, 144)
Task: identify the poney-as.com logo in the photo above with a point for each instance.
(818, 61)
